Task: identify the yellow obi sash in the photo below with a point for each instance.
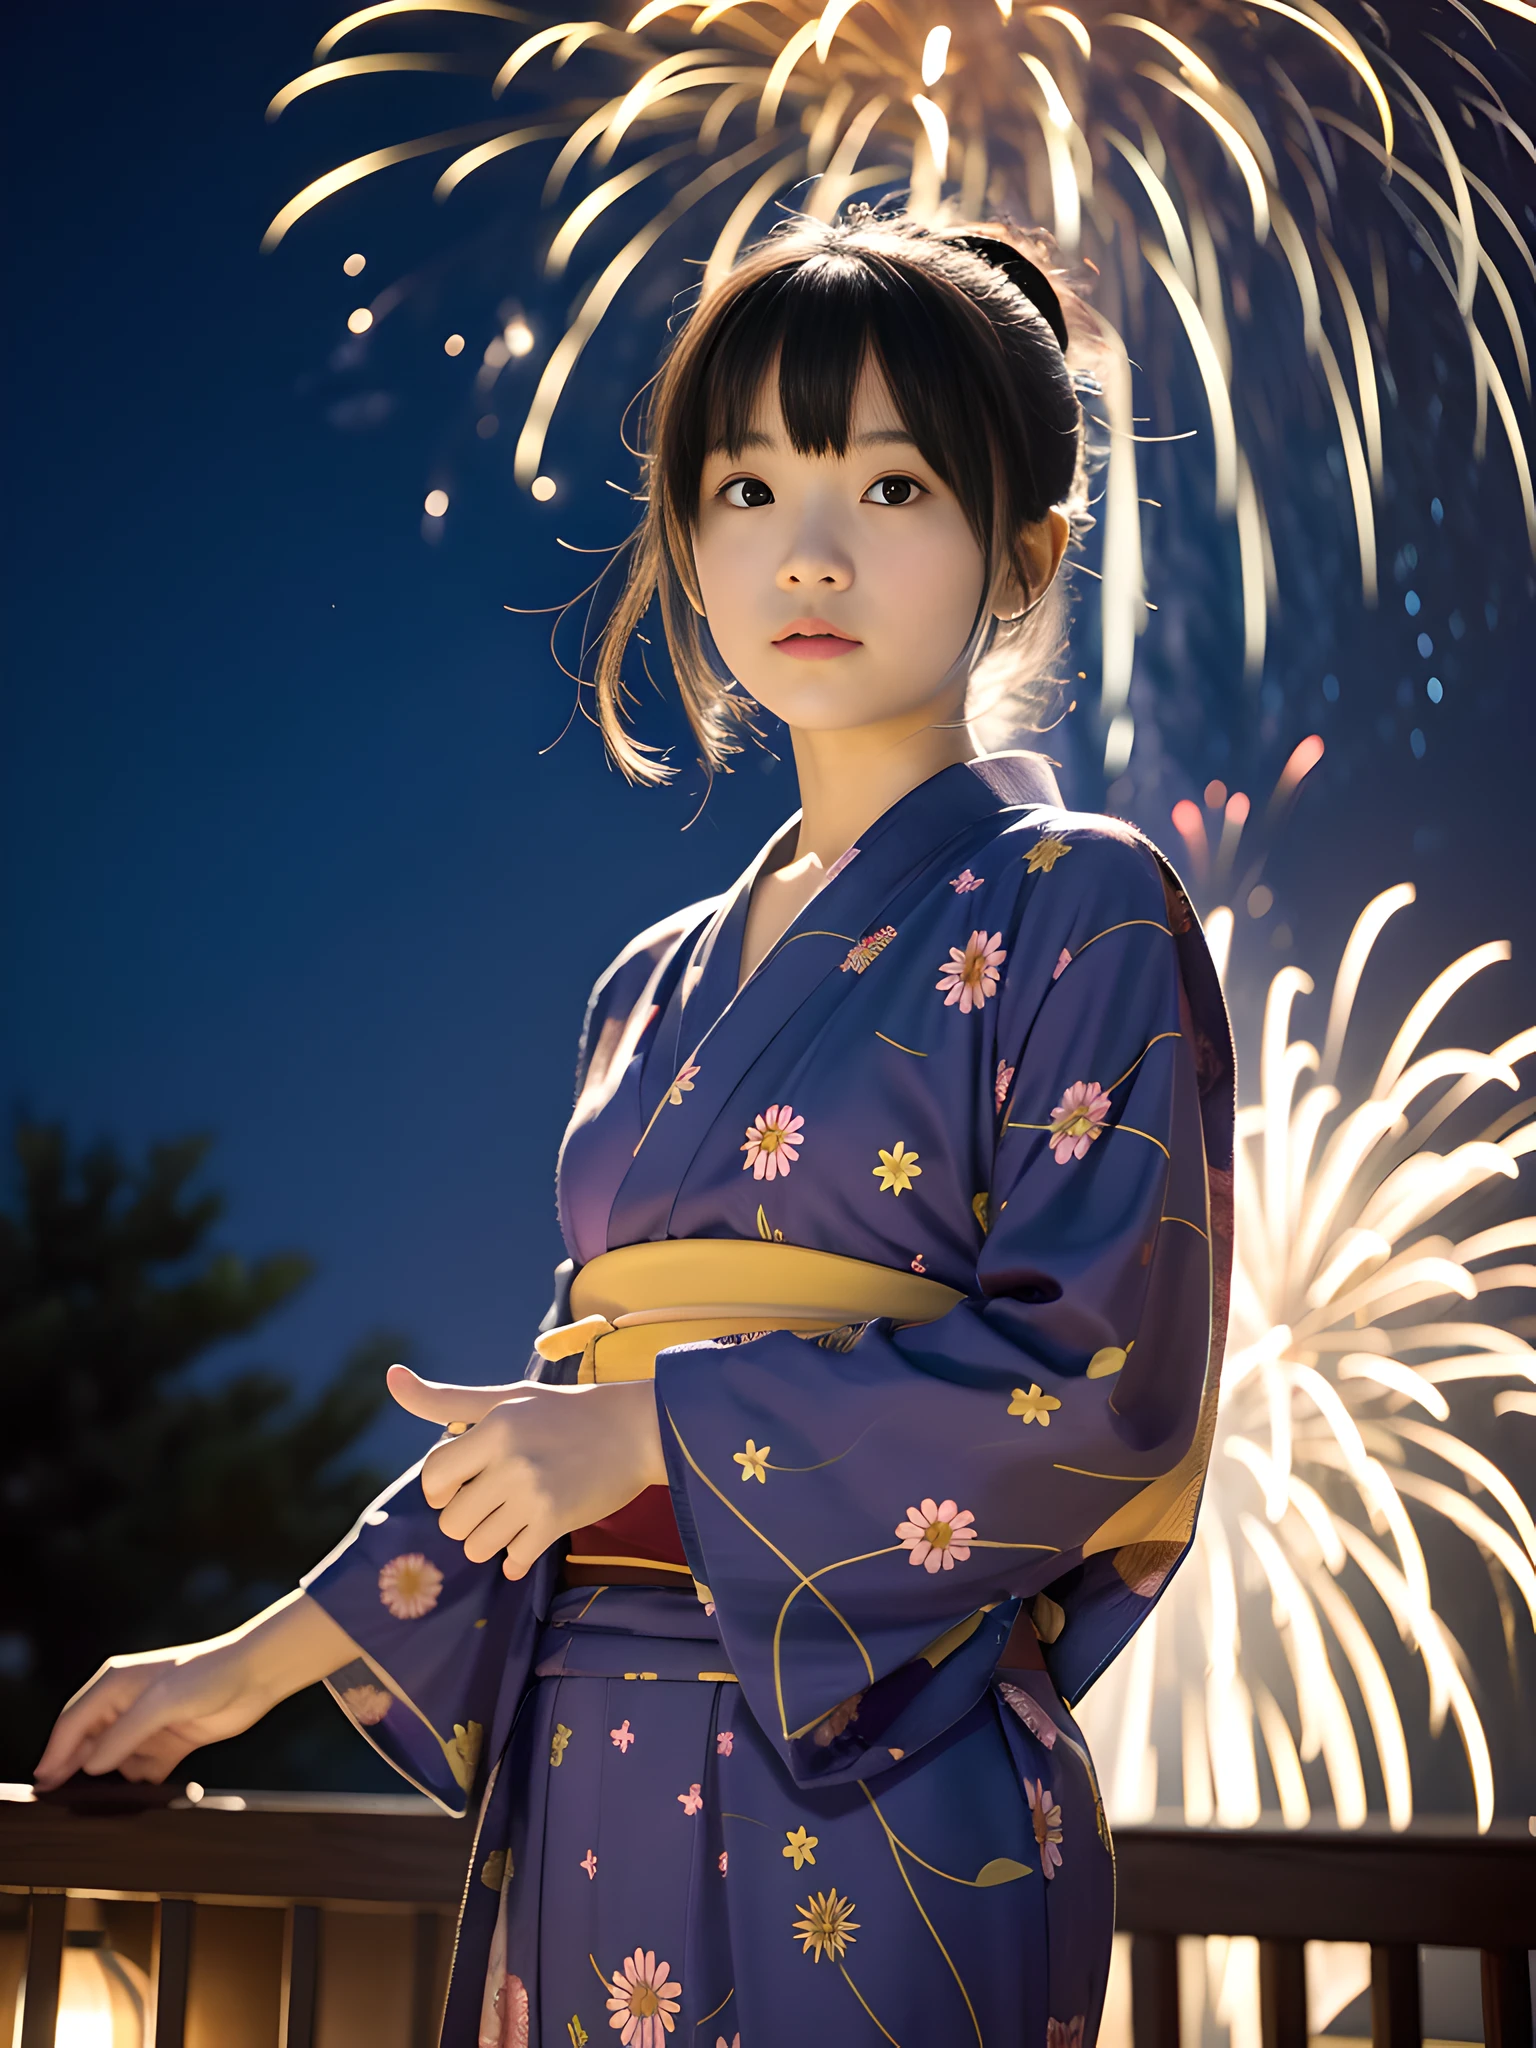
(631, 1303)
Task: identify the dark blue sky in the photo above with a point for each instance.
(284, 857)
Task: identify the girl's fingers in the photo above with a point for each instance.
(92, 1710)
(480, 1498)
(501, 1527)
(440, 1400)
(526, 1549)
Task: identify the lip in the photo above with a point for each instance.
(814, 640)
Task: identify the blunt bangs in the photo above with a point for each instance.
(976, 375)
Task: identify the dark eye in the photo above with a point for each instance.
(892, 490)
(747, 493)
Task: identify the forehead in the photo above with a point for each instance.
(874, 418)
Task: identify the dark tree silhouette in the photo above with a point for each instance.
(139, 1508)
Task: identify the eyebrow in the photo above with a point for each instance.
(883, 437)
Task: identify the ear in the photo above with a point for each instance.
(1042, 543)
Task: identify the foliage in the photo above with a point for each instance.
(141, 1505)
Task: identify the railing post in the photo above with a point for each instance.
(1395, 1995)
(169, 1966)
(425, 2017)
(1506, 1998)
(1283, 1994)
(45, 1964)
(1155, 1991)
(301, 1977)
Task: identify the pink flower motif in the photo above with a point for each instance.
(773, 1143)
(512, 2004)
(709, 1606)
(691, 1801)
(938, 1534)
(735, 2041)
(1046, 1815)
(589, 1863)
(367, 1704)
(917, 1264)
(965, 882)
(724, 1860)
(642, 2001)
(622, 1736)
(725, 1742)
(1001, 1084)
(409, 1586)
(1030, 1712)
(1066, 2033)
(1063, 961)
(1077, 1120)
(970, 977)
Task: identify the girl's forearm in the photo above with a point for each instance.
(291, 1644)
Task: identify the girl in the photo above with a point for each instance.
(873, 1412)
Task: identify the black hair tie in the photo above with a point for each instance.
(1029, 277)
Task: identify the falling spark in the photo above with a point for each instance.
(1247, 174)
(1356, 1331)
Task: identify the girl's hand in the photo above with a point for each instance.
(538, 1462)
(142, 1714)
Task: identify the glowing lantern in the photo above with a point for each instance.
(103, 1997)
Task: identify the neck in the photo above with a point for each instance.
(849, 779)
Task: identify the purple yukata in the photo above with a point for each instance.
(827, 1786)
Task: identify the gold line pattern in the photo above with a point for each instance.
(1135, 1063)
(1126, 1478)
(726, 2001)
(1148, 1136)
(1151, 922)
(787, 1562)
(943, 1951)
(1187, 1225)
(907, 1850)
(901, 1048)
(858, 1994)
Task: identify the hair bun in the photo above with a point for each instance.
(1029, 277)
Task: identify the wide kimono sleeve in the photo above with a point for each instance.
(447, 1645)
(874, 1512)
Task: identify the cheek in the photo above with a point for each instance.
(931, 577)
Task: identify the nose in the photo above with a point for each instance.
(815, 562)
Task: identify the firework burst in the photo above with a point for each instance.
(1354, 1327)
(1224, 171)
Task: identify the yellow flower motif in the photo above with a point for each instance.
(798, 1846)
(753, 1462)
(826, 1925)
(981, 1209)
(1033, 1406)
(494, 1869)
(1045, 853)
(558, 1745)
(463, 1752)
(897, 1169)
(577, 2031)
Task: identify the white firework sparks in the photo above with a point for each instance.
(1241, 181)
(1354, 1327)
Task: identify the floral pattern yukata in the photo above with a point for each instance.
(834, 1792)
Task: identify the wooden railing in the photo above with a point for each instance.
(1432, 1885)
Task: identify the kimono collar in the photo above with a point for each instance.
(713, 1033)
(901, 840)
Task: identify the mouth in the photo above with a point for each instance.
(814, 640)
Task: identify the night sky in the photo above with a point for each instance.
(289, 853)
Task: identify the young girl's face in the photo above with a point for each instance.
(841, 590)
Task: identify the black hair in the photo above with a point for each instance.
(981, 383)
